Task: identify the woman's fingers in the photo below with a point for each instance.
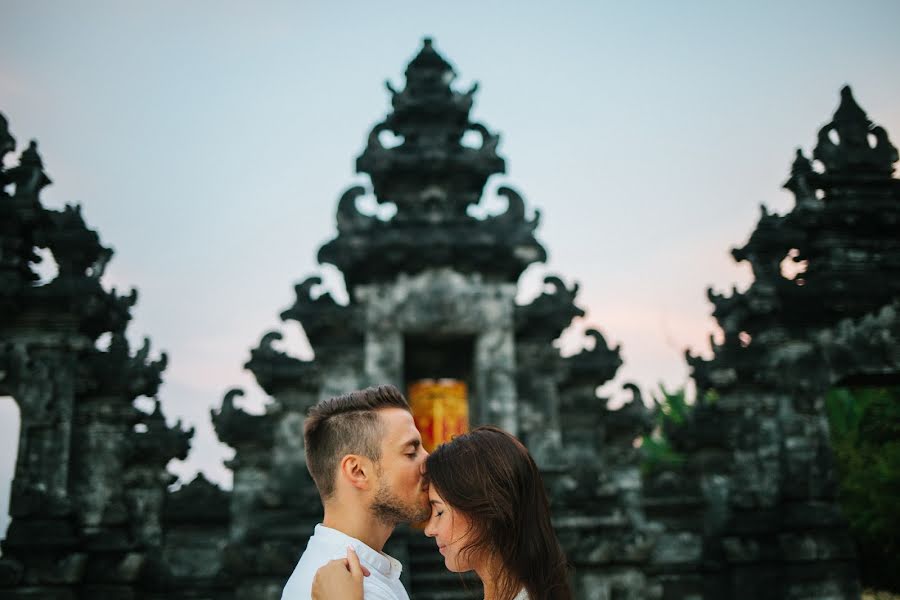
(340, 578)
(333, 581)
(354, 566)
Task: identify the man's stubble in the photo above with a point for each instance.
(389, 509)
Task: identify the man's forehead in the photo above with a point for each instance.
(399, 426)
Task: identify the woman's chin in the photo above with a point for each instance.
(455, 568)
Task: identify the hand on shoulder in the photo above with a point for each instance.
(340, 579)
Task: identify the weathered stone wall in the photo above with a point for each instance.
(758, 484)
(750, 512)
(444, 303)
(90, 474)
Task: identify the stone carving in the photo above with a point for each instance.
(852, 150)
(432, 277)
(325, 322)
(747, 511)
(758, 479)
(348, 216)
(238, 428)
(550, 313)
(90, 478)
(274, 369)
(431, 177)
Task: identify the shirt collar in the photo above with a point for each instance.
(386, 565)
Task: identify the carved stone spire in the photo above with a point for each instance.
(90, 473)
(430, 173)
(851, 143)
(802, 181)
(841, 230)
(7, 141)
(421, 160)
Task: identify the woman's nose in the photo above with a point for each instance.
(429, 530)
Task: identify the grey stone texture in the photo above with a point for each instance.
(750, 513)
(90, 477)
(758, 484)
(432, 294)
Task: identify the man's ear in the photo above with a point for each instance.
(357, 470)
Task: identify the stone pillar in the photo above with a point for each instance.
(383, 357)
(98, 444)
(495, 377)
(442, 303)
(538, 411)
(42, 539)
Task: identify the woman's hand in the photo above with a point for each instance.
(340, 579)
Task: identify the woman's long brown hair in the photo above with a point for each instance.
(489, 476)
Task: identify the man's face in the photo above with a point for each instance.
(401, 495)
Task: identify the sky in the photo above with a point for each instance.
(208, 142)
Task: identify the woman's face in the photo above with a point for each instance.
(450, 529)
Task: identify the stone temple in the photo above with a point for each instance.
(750, 512)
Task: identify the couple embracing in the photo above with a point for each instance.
(481, 494)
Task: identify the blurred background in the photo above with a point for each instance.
(208, 143)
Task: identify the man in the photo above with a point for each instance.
(366, 457)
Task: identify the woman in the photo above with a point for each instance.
(490, 515)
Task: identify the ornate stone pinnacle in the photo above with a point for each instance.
(851, 146)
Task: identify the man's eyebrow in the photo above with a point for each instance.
(414, 443)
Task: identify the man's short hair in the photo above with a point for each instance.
(343, 425)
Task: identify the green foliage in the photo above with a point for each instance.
(673, 406)
(865, 436)
(657, 452)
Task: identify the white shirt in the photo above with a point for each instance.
(328, 544)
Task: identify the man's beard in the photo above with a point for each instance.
(389, 509)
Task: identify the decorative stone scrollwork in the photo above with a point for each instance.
(155, 443)
(592, 367)
(754, 447)
(90, 473)
(489, 141)
(116, 372)
(7, 141)
(432, 179)
(28, 176)
(550, 313)
(238, 428)
(515, 210)
(327, 324)
(632, 420)
(275, 371)
(802, 181)
(853, 150)
(348, 216)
